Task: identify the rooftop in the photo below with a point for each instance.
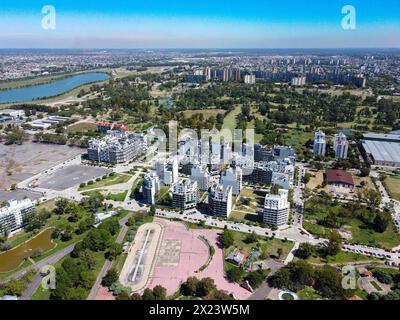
(339, 176)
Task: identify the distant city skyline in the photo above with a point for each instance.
(207, 24)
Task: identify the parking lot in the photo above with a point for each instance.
(70, 176)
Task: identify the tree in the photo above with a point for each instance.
(136, 296)
(305, 250)
(160, 293)
(328, 282)
(334, 245)
(114, 250)
(97, 240)
(226, 239)
(279, 252)
(382, 221)
(205, 287)
(235, 274)
(251, 238)
(255, 278)
(110, 278)
(152, 210)
(148, 294)
(189, 287)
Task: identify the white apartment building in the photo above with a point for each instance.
(185, 194)
(220, 201)
(232, 177)
(276, 208)
(201, 175)
(117, 147)
(167, 171)
(319, 148)
(249, 79)
(341, 146)
(151, 184)
(13, 214)
(299, 81)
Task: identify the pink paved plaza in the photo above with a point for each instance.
(181, 264)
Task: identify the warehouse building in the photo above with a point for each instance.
(381, 149)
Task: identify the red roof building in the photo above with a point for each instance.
(339, 178)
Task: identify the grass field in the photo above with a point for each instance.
(342, 258)
(207, 113)
(117, 196)
(308, 293)
(256, 200)
(109, 181)
(360, 232)
(392, 185)
(270, 246)
(230, 119)
(82, 127)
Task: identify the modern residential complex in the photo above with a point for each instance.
(185, 194)
(12, 216)
(232, 177)
(116, 147)
(220, 201)
(151, 184)
(276, 208)
(340, 146)
(279, 172)
(319, 147)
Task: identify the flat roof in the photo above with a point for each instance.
(382, 150)
(382, 136)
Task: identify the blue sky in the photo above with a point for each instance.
(199, 24)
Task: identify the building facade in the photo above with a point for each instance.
(232, 177)
(276, 208)
(341, 146)
(13, 215)
(185, 194)
(220, 201)
(116, 147)
(319, 148)
(151, 184)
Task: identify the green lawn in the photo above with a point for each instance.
(268, 245)
(361, 233)
(392, 185)
(342, 257)
(256, 200)
(230, 119)
(308, 293)
(117, 197)
(388, 239)
(109, 181)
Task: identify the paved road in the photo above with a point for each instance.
(264, 290)
(290, 233)
(107, 265)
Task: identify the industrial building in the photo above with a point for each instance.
(381, 149)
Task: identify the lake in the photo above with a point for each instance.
(50, 89)
(13, 258)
